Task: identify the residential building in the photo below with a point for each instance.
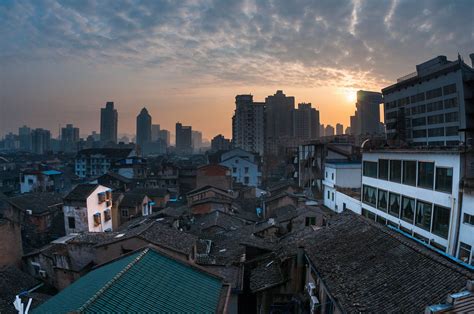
(133, 205)
(432, 106)
(143, 128)
(248, 124)
(184, 142)
(24, 134)
(196, 137)
(11, 249)
(219, 142)
(348, 131)
(164, 135)
(108, 123)
(305, 122)
(418, 192)
(278, 121)
(214, 175)
(342, 184)
(329, 130)
(41, 141)
(322, 129)
(87, 208)
(207, 199)
(94, 162)
(69, 138)
(155, 132)
(41, 181)
(244, 168)
(368, 113)
(339, 129)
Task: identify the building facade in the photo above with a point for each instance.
(342, 182)
(69, 138)
(305, 122)
(143, 128)
(248, 124)
(41, 141)
(219, 142)
(94, 162)
(108, 123)
(184, 139)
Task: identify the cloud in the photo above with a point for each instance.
(301, 43)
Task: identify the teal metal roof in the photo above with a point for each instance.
(147, 281)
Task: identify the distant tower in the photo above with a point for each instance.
(143, 127)
(108, 123)
(184, 143)
(339, 129)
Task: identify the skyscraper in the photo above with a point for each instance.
(184, 144)
(219, 142)
(339, 129)
(197, 140)
(155, 132)
(164, 135)
(305, 122)
(108, 123)
(41, 141)
(279, 120)
(143, 128)
(24, 134)
(248, 124)
(329, 130)
(69, 138)
(368, 112)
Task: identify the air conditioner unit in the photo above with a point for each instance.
(310, 288)
(43, 274)
(314, 302)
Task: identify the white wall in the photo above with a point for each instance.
(26, 187)
(466, 231)
(93, 207)
(240, 164)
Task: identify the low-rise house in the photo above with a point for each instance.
(142, 280)
(214, 175)
(134, 204)
(93, 162)
(115, 181)
(209, 198)
(244, 168)
(159, 196)
(88, 207)
(43, 217)
(132, 167)
(41, 181)
(11, 248)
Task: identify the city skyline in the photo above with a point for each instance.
(187, 63)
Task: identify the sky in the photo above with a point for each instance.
(61, 61)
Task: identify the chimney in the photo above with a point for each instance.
(472, 59)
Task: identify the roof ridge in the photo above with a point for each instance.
(112, 281)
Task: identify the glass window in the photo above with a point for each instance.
(383, 169)
(468, 219)
(419, 133)
(368, 214)
(449, 89)
(452, 131)
(444, 179)
(394, 205)
(451, 117)
(434, 93)
(71, 222)
(408, 209)
(97, 219)
(107, 215)
(329, 194)
(425, 174)
(369, 195)
(418, 121)
(418, 109)
(434, 106)
(382, 200)
(395, 170)
(450, 103)
(409, 172)
(435, 132)
(464, 252)
(370, 169)
(381, 220)
(423, 215)
(441, 221)
(436, 119)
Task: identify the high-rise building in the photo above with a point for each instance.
(184, 143)
(108, 123)
(305, 122)
(355, 125)
(24, 134)
(69, 138)
(432, 106)
(143, 127)
(329, 130)
(339, 129)
(368, 112)
(348, 131)
(197, 140)
(248, 124)
(41, 141)
(155, 132)
(165, 136)
(278, 120)
(219, 142)
(322, 130)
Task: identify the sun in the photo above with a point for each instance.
(351, 95)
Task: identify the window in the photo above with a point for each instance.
(234, 170)
(97, 219)
(370, 169)
(444, 179)
(420, 237)
(419, 133)
(329, 195)
(452, 131)
(246, 180)
(464, 252)
(418, 121)
(449, 89)
(441, 221)
(382, 200)
(417, 97)
(108, 194)
(107, 215)
(423, 215)
(332, 176)
(332, 196)
(450, 103)
(395, 170)
(425, 174)
(409, 172)
(418, 109)
(326, 174)
(434, 106)
(310, 221)
(408, 209)
(433, 93)
(381, 220)
(246, 169)
(468, 219)
(435, 132)
(383, 169)
(436, 119)
(394, 205)
(368, 214)
(101, 197)
(369, 195)
(71, 221)
(451, 117)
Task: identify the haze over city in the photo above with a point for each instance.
(61, 61)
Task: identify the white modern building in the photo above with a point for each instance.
(418, 192)
(244, 168)
(342, 182)
(432, 106)
(88, 208)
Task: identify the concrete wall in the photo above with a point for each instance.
(239, 175)
(10, 243)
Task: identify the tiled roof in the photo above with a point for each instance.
(267, 274)
(218, 219)
(38, 203)
(151, 192)
(12, 282)
(81, 192)
(145, 281)
(368, 267)
(132, 199)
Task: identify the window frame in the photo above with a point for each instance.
(404, 181)
(450, 190)
(437, 232)
(390, 170)
(399, 204)
(419, 168)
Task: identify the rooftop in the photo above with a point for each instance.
(81, 192)
(38, 203)
(144, 281)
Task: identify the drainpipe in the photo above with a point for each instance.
(451, 226)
